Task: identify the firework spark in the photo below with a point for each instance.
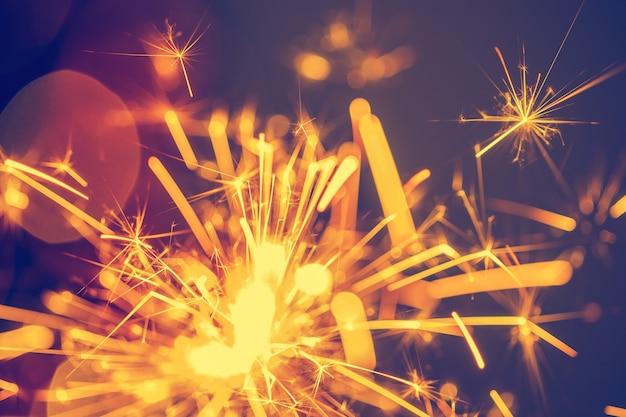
(262, 314)
(169, 52)
(527, 111)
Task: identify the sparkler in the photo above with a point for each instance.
(269, 300)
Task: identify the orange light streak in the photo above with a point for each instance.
(611, 410)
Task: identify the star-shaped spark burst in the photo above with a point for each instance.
(167, 47)
(528, 110)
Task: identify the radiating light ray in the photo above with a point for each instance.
(64, 166)
(207, 244)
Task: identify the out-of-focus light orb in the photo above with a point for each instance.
(15, 198)
(338, 37)
(312, 66)
(72, 128)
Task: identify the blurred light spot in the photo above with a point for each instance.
(312, 66)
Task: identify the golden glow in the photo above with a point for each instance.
(274, 308)
(15, 198)
(313, 279)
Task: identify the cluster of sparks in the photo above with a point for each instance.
(270, 300)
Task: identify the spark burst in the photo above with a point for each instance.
(527, 111)
(267, 312)
(270, 301)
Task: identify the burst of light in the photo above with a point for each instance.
(255, 315)
(169, 52)
(528, 110)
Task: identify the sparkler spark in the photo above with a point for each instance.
(527, 111)
(256, 315)
(169, 52)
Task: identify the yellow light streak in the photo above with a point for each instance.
(358, 346)
(549, 218)
(499, 402)
(552, 340)
(8, 389)
(11, 164)
(71, 208)
(443, 266)
(183, 205)
(219, 140)
(618, 208)
(539, 274)
(379, 390)
(25, 339)
(386, 178)
(381, 278)
(180, 139)
(470, 341)
(346, 168)
(416, 180)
